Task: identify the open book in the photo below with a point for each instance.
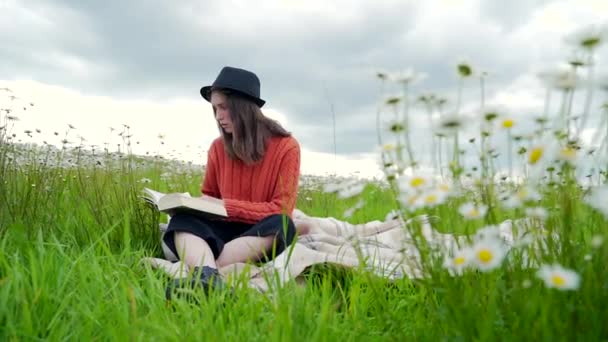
(182, 202)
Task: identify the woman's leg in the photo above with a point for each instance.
(264, 240)
(193, 250)
(198, 256)
(245, 249)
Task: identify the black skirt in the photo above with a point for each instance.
(218, 232)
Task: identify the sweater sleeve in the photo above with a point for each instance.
(284, 195)
(210, 185)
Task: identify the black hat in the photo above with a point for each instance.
(241, 81)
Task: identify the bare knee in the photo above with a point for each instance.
(245, 249)
(181, 235)
(303, 226)
(193, 250)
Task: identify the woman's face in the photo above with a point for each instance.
(222, 113)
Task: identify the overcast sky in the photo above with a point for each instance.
(100, 64)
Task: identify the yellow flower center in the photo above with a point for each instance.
(535, 154)
(431, 199)
(485, 256)
(388, 147)
(508, 123)
(568, 153)
(459, 260)
(521, 194)
(444, 187)
(416, 182)
(558, 280)
(474, 212)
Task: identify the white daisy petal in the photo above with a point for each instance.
(471, 211)
(488, 254)
(558, 277)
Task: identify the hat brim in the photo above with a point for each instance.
(206, 94)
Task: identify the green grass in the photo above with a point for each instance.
(72, 238)
(73, 231)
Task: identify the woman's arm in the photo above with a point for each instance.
(210, 185)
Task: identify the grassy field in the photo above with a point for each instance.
(72, 232)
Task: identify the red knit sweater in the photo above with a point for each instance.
(252, 192)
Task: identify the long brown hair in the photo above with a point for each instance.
(251, 129)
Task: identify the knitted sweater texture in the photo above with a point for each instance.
(252, 192)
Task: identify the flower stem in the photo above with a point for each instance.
(589, 97)
(408, 144)
(510, 154)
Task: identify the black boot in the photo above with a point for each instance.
(203, 278)
(209, 277)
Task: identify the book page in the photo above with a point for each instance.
(152, 195)
(178, 201)
(172, 203)
(155, 196)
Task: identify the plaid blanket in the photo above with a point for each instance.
(386, 248)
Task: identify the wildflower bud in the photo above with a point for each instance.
(464, 70)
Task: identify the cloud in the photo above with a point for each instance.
(316, 59)
(150, 128)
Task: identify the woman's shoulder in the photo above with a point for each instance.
(286, 142)
(283, 145)
(217, 143)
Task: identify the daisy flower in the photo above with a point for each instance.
(457, 263)
(527, 193)
(388, 147)
(392, 215)
(351, 190)
(536, 154)
(507, 123)
(568, 154)
(561, 79)
(471, 211)
(555, 276)
(450, 124)
(396, 126)
(410, 200)
(432, 198)
(491, 113)
(391, 171)
(540, 156)
(598, 199)
(488, 254)
(539, 213)
(415, 183)
(512, 202)
(446, 188)
(589, 37)
(596, 241)
(392, 100)
(464, 69)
